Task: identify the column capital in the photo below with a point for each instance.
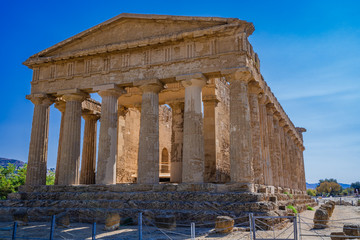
(60, 105)
(41, 99)
(109, 90)
(282, 122)
(192, 79)
(212, 99)
(76, 95)
(176, 104)
(90, 115)
(237, 74)
(254, 88)
(152, 85)
(263, 99)
(270, 107)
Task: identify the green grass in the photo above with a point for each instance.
(310, 208)
(292, 208)
(289, 194)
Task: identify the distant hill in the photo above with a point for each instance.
(5, 161)
(314, 185)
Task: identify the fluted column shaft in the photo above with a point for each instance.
(177, 135)
(210, 140)
(284, 157)
(148, 157)
(88, 160)
(70, 146)
(293, 164)
(277, 152)
(37, 160)
(288, 159)
(123, 173)
(270, 130)
(256, 136)
(267, 170)
(107, 154)
(61, 107)
(193, 143)
(241, 166)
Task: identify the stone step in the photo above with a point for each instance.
(236, 207)
(127, 196)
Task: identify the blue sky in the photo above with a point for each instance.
(309, 53)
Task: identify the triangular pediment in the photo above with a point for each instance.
(131, 27)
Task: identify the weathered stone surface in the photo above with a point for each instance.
(112, 221)
(352, 229)
(321, 218)
(165, 221)
(224, 224)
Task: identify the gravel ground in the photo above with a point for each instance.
(83, 231)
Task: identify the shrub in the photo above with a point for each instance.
(311, 192)
(310, 208)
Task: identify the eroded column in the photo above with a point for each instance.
(284, 155)
(193, 143)
(148, 157)
(60, 105)
(88, 160)
(241, 165)
(277, 151)
(254, 92)
(177, 141)
(70, 146)
(267, 170)
(210, 139)
(123, 173)
(271, 138)
(37, 160)
(107, 154)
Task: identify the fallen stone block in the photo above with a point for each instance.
(62, 220)
(328, 208)
(21, 217)
(321, 218)
(165, 221)
(352, 229)
(338, 236)
(224, 224)
(112, 221)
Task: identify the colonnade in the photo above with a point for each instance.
(264, 149)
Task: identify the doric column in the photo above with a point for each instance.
(284, 155)
(70, 146)
(193, 140)
(61, 106)
(123, 173)
(88, 160)
(277, 150)
(177, 135)
(288, 152)
(270, 124)
(301, 131)
(210, 139)
(241, 166)
(254, 92)
(37, 161)
(293, 161)
(267, 170)
(148, 157)
(107, 154)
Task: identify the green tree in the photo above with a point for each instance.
(311, 192)
(50, 178)
(356, 185)
(10, 179)
(331, 188)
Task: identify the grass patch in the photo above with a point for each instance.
(289, 194)
(292, 208)
(310, 208)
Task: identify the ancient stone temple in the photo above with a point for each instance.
(184, 110)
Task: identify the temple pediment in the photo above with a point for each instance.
(127, 28)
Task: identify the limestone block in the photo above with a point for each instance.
(112, 221)
(224, 224)
(62, 220)
(21, 217)
(165, 221)
(337, 235)
(328, 208)
(352, 230)
(321, 218)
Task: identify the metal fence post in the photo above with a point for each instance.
(52, 227)
(14, 231)
(295, 228)
(253, 226)
(93, 234)
(299, 227)
(250, 227)
(140, 226)
(192, 227)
